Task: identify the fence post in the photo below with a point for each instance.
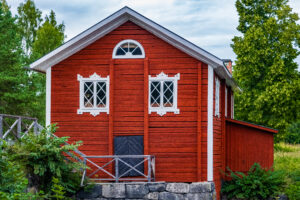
(1, 126)
(35, 127)
(19, 128)
(84, 172)
(117, 169)
(149, 168)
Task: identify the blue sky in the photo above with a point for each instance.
(210, 24)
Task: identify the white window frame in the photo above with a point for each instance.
(217, 97)
(128, 54)
(161, 110)
(94, 110)
(226, 106)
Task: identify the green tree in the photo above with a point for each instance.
(48, 37)
(29, 20)
(13, 77)
(265, 67)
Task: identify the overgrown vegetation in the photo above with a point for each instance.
(259, 183)
(37, 164)
(287, 160)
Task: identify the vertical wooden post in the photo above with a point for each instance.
(229, 103)
(199, 132)
(35, 127)
(146, 115)
(1, 126)
(223, 124)
(111, 107)
(19, 127)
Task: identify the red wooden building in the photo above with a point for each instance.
(130, 85)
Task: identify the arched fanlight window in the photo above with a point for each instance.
(128, 49)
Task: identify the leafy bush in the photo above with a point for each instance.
(257, 184)
(42, 157)
(293, 133)
(13, 181)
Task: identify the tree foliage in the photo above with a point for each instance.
(23, 39)
(12, 83)
(265, 67)
(29, 20)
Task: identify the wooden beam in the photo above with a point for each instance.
(199, 123)
(223, 124)
(111, 108)
(146, 115)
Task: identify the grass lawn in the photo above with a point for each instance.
(287, 159)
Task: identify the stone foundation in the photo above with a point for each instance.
(154, 191)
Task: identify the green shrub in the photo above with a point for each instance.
(13, 181)
(257, 184)
(292, 135)
(42, 157)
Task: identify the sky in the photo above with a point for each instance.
(210, 24)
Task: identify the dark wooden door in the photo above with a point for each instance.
(129, 145)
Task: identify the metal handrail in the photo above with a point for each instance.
(148, 161)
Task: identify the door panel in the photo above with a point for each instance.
(129, 145)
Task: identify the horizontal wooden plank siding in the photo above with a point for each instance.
(247, 144)
(172, 138)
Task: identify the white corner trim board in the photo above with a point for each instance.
(210, 137)
(48, 96)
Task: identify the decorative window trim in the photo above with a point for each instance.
(161, 110)
(217, 97)
(128, 55)
(226, 96)
(94, 110)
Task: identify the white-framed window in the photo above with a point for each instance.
(128, 49)
(226, 106)
(232, 106)
(163, 94)
(94, 94)
(217, 97)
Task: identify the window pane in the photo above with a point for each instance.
(132, 47)
(155, 94)
(137, 51)
(88, 94)
(101, 94)
(168, 93)
(120, 52)
(125, 47)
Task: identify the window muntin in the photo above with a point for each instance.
(163, 94)
(94, 94)
(128, 49)
(217, 97)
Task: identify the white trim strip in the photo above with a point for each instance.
(48, 96)
(210, 137)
